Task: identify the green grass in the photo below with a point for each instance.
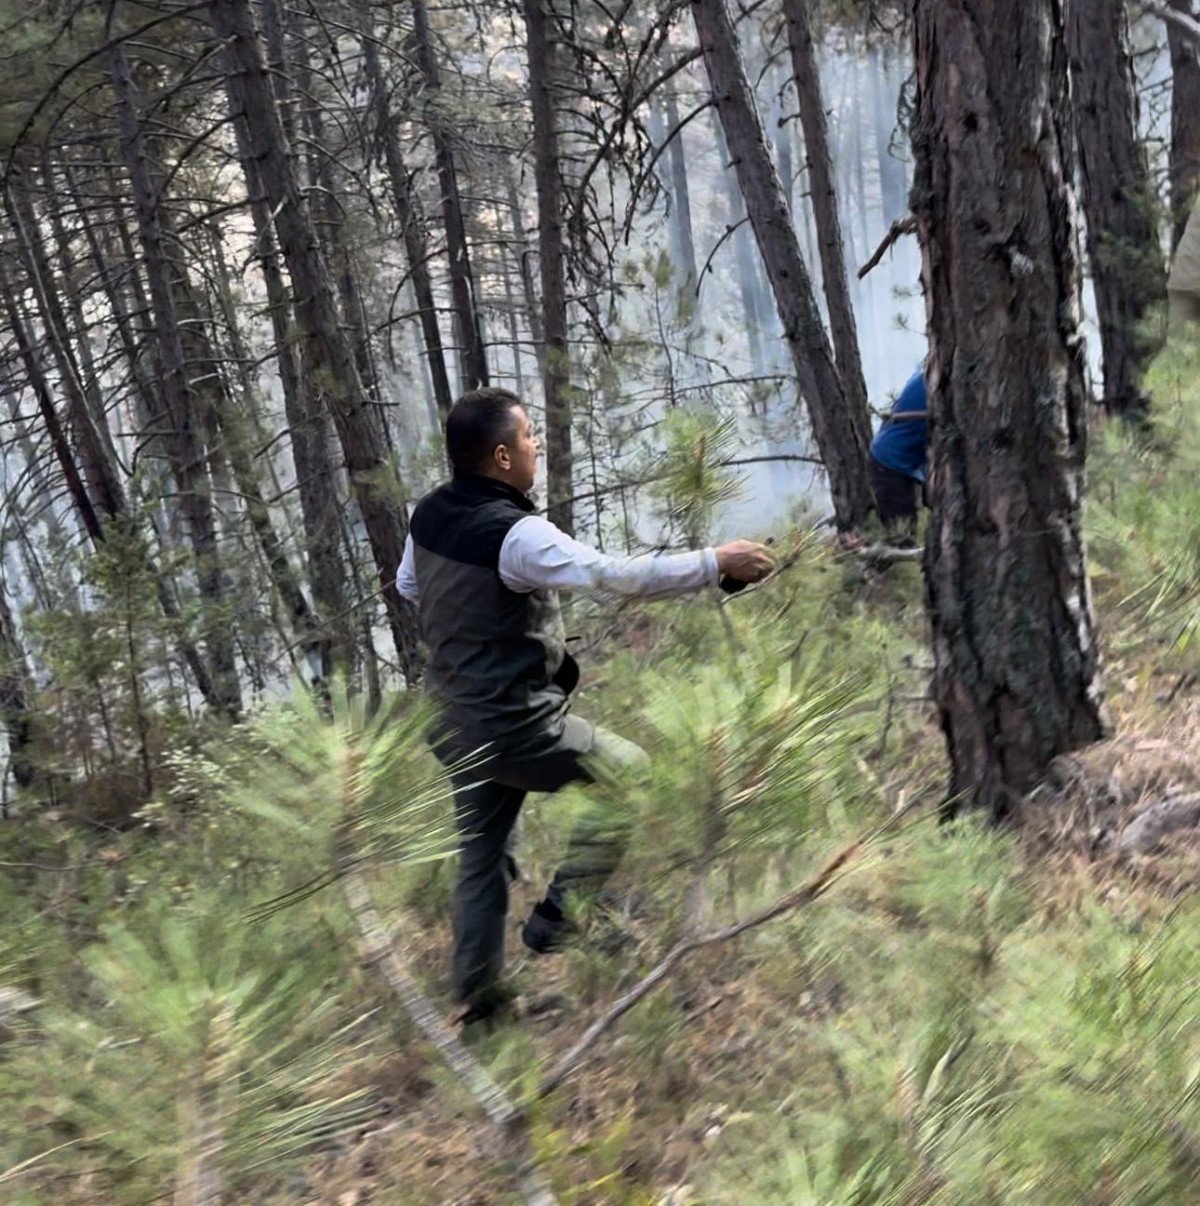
(958, 1020)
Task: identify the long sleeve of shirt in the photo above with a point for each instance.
(536, 555)
(406, 574)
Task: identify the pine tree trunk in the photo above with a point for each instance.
(841, 427)
(474, 370)
(781, 135)
(90, 515)
(685, 244)
(17, 717)
(315, 478)
(409, 215)
(544, 99)
(842, 324)
(1016, 674)
(89, 378)
(1128, 273)
(522, 253)
(372, 472)
(328, 212)
(1185, 121)
(187, 449)
(236, 424)
(741, 247)
(99, 470)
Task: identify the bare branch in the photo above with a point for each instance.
(901, 226)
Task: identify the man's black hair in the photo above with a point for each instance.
(477, 423)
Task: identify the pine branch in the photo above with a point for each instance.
(901, 226)
(796, 899)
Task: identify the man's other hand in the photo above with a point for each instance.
(745, 560)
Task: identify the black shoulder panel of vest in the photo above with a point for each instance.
(465, 524)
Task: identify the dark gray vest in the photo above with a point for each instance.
(496, 662)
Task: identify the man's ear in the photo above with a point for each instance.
(501, 456)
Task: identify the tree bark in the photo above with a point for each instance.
(842, 324)
(544, 99)
(1128, 272)
(685, 244)
(184, 441)
(1016, 675)
(17, 716)
(94, 451)
(315, 478)
(472, 356)
(88, 512)
(409, 215)
(237, 424)
(373, 477)
(329, 214)
(841, 426)
(1185, 121)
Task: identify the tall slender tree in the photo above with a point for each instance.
(1118, 199)
(409, 212)
(188, 455)
(841, 427)
(1016, 674)
(842, 325)
(463, 287)
(544, 100)
(1185, 118)
(372, 471)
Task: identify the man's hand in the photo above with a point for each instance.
(744, 560)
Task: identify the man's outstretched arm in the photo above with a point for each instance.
(537, 555)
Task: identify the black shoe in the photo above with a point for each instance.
(486, 1008)
(546, 931)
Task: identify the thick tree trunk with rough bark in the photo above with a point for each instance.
(1185, 120)
(842, 427)
(1016, 674)
(408, 214)
(556, 379)
(842, 324)
(373, 477)
(1128, 272)
(472, 356)
(184, 441)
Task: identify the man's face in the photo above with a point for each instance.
(518, 457)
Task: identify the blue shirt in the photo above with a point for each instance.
(900, 445)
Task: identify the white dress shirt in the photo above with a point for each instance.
(536, 555)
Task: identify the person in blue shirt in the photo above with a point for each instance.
(898, 459)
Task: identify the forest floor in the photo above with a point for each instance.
(708, 1092)
(969, 1014)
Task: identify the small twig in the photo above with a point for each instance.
(901, 226)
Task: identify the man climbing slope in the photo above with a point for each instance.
(482, 568)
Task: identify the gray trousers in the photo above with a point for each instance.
(487, 803)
